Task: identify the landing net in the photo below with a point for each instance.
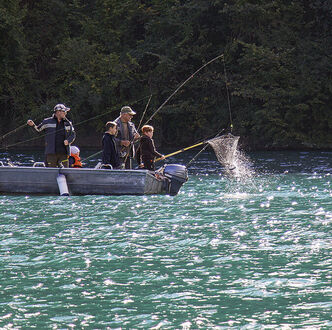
(228, 155)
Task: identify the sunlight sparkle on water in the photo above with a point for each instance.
(225, 253)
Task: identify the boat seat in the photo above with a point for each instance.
(38, 164)
(98, 166)
(106, 166)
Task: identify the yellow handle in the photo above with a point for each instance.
(181, 150)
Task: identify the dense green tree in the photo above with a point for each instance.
(14, 72)
(178, 41)
(96, 55)
(281, 68)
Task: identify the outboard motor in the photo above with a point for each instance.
(177, 175)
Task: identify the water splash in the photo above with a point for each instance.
(234, 161)
(241, 166)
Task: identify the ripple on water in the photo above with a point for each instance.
(222, 254)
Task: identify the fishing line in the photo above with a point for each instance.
(11, 132)
(25, 141)
(230, 116)
(228, 97)
(188, 164)
(78, 124)
(182, 84)
(113, 109)
(93, 155)
(146, 107)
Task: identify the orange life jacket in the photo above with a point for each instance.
(77, 160)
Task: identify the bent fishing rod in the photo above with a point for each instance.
(175, 91)
(13, 131)
(183, 83)
(2, 138)
(161, 106)
(34, 138)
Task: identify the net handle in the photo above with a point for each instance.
(181, 150)
(187, 148)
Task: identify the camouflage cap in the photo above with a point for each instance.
(127, 109)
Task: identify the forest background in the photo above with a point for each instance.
(96, 56)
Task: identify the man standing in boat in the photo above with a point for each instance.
(127, 134)
(59, 135)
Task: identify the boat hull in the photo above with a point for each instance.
(82, 181)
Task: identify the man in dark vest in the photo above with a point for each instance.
(59, 134)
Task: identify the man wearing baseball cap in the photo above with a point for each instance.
(126, 136)
(59, 134)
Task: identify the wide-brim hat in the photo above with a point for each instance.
(127, 109)
(61, 107)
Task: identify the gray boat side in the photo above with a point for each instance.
(81, 181)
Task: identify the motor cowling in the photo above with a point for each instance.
(177, 175)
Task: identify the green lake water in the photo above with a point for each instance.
(249, 253)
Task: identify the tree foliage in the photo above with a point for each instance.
(97, 55)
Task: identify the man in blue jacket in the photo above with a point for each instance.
(59, 134)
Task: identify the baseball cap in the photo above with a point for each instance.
(61, 107)
(127, 109)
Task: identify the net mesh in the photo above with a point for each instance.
(228, 155)
(224, 147)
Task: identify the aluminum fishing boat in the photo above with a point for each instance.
(89, 181)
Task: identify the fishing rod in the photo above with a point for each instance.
(183, 83)
(28, 140)
(93, 155)
(146, 108)
(77, 124)
(11, 132)
(138, 128)
(175, 91)
(197, 155)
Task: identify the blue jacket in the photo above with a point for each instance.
(49, 125)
